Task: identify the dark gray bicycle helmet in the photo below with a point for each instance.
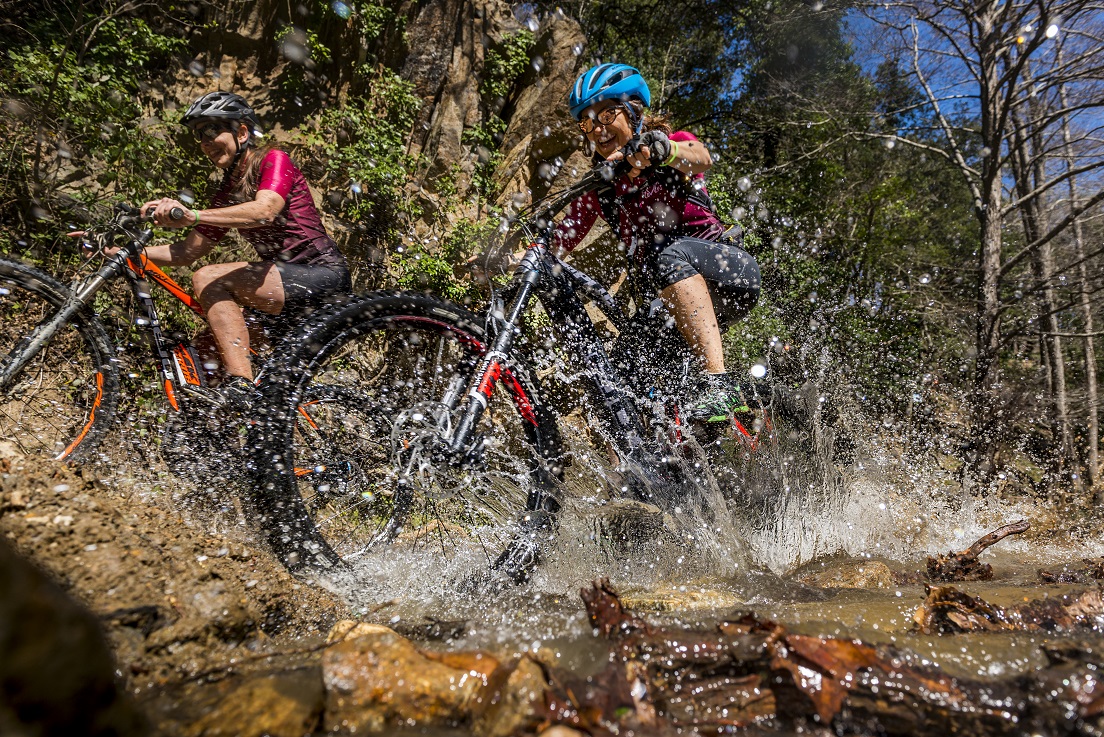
(222, 106)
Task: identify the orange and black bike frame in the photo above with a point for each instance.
(179, 362)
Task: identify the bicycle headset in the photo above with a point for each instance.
(225, 106)
(610, 82)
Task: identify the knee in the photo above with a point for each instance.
(207, 284)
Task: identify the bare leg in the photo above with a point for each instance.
(690, 303)
(223, 289)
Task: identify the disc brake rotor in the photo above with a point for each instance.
(419, 448)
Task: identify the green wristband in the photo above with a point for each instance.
(674, 152)
(196, 214)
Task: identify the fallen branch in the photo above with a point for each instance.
(752, 672)
(964, 566)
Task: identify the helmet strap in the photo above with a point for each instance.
(636, 120)
(242, 148)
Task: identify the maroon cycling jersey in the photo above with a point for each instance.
(296, 235)
(650, 211)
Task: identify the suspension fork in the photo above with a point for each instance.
(489, 369)
(583, 340)
(30, 345)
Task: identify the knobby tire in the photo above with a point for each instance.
(323, 444)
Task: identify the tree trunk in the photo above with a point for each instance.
(1092, 464)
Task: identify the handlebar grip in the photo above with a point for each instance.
(176, 213)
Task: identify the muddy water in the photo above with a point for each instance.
(690, 570)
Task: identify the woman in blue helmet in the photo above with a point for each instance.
(664, 219)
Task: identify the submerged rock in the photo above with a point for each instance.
(846, 573)
(377, 680)
(680, 599)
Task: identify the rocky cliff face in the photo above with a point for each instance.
(438, 45)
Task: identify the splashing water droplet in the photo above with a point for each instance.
(744, 184)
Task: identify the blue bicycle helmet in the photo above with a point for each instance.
(607, 82)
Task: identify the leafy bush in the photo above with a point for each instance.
(361, 145)
(72, 111)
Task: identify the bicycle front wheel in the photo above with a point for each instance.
(61, 404)
(350, 455)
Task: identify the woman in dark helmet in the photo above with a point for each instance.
(266, 198)
(662, 214)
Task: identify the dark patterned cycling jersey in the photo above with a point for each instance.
(651, 210)
(296, 235)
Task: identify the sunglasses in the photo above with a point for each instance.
(209, 132)
(605, 117)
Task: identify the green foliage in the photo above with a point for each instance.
(78, 133)
(502, 66)
(361, 146)
(432, 268)
(293, 80)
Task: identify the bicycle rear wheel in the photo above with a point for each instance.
(347, 456)
(61, 404)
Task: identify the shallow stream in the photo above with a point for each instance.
(881, 517)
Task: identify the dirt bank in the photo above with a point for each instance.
(175, 600)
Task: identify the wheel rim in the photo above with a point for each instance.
(356, 420)
(50, 407)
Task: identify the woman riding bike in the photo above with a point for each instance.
(267, 199)
(661, 212)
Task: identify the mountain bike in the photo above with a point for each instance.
(59, 377)
(60, 370)
(403, 419)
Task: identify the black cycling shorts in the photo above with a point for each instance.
(731, 273)
(308, 285)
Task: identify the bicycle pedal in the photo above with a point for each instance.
(204, 394)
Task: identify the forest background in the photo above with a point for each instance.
(920, 182)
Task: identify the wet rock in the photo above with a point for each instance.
(174, 600)
(513, 702)
(379, 680)
(57, 676)
(561, 731)
(283, 704)
(631, 528)
(846, 573)
(680, 599)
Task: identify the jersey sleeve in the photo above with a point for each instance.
(682, 136)
(277, 173)
(580, 218)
